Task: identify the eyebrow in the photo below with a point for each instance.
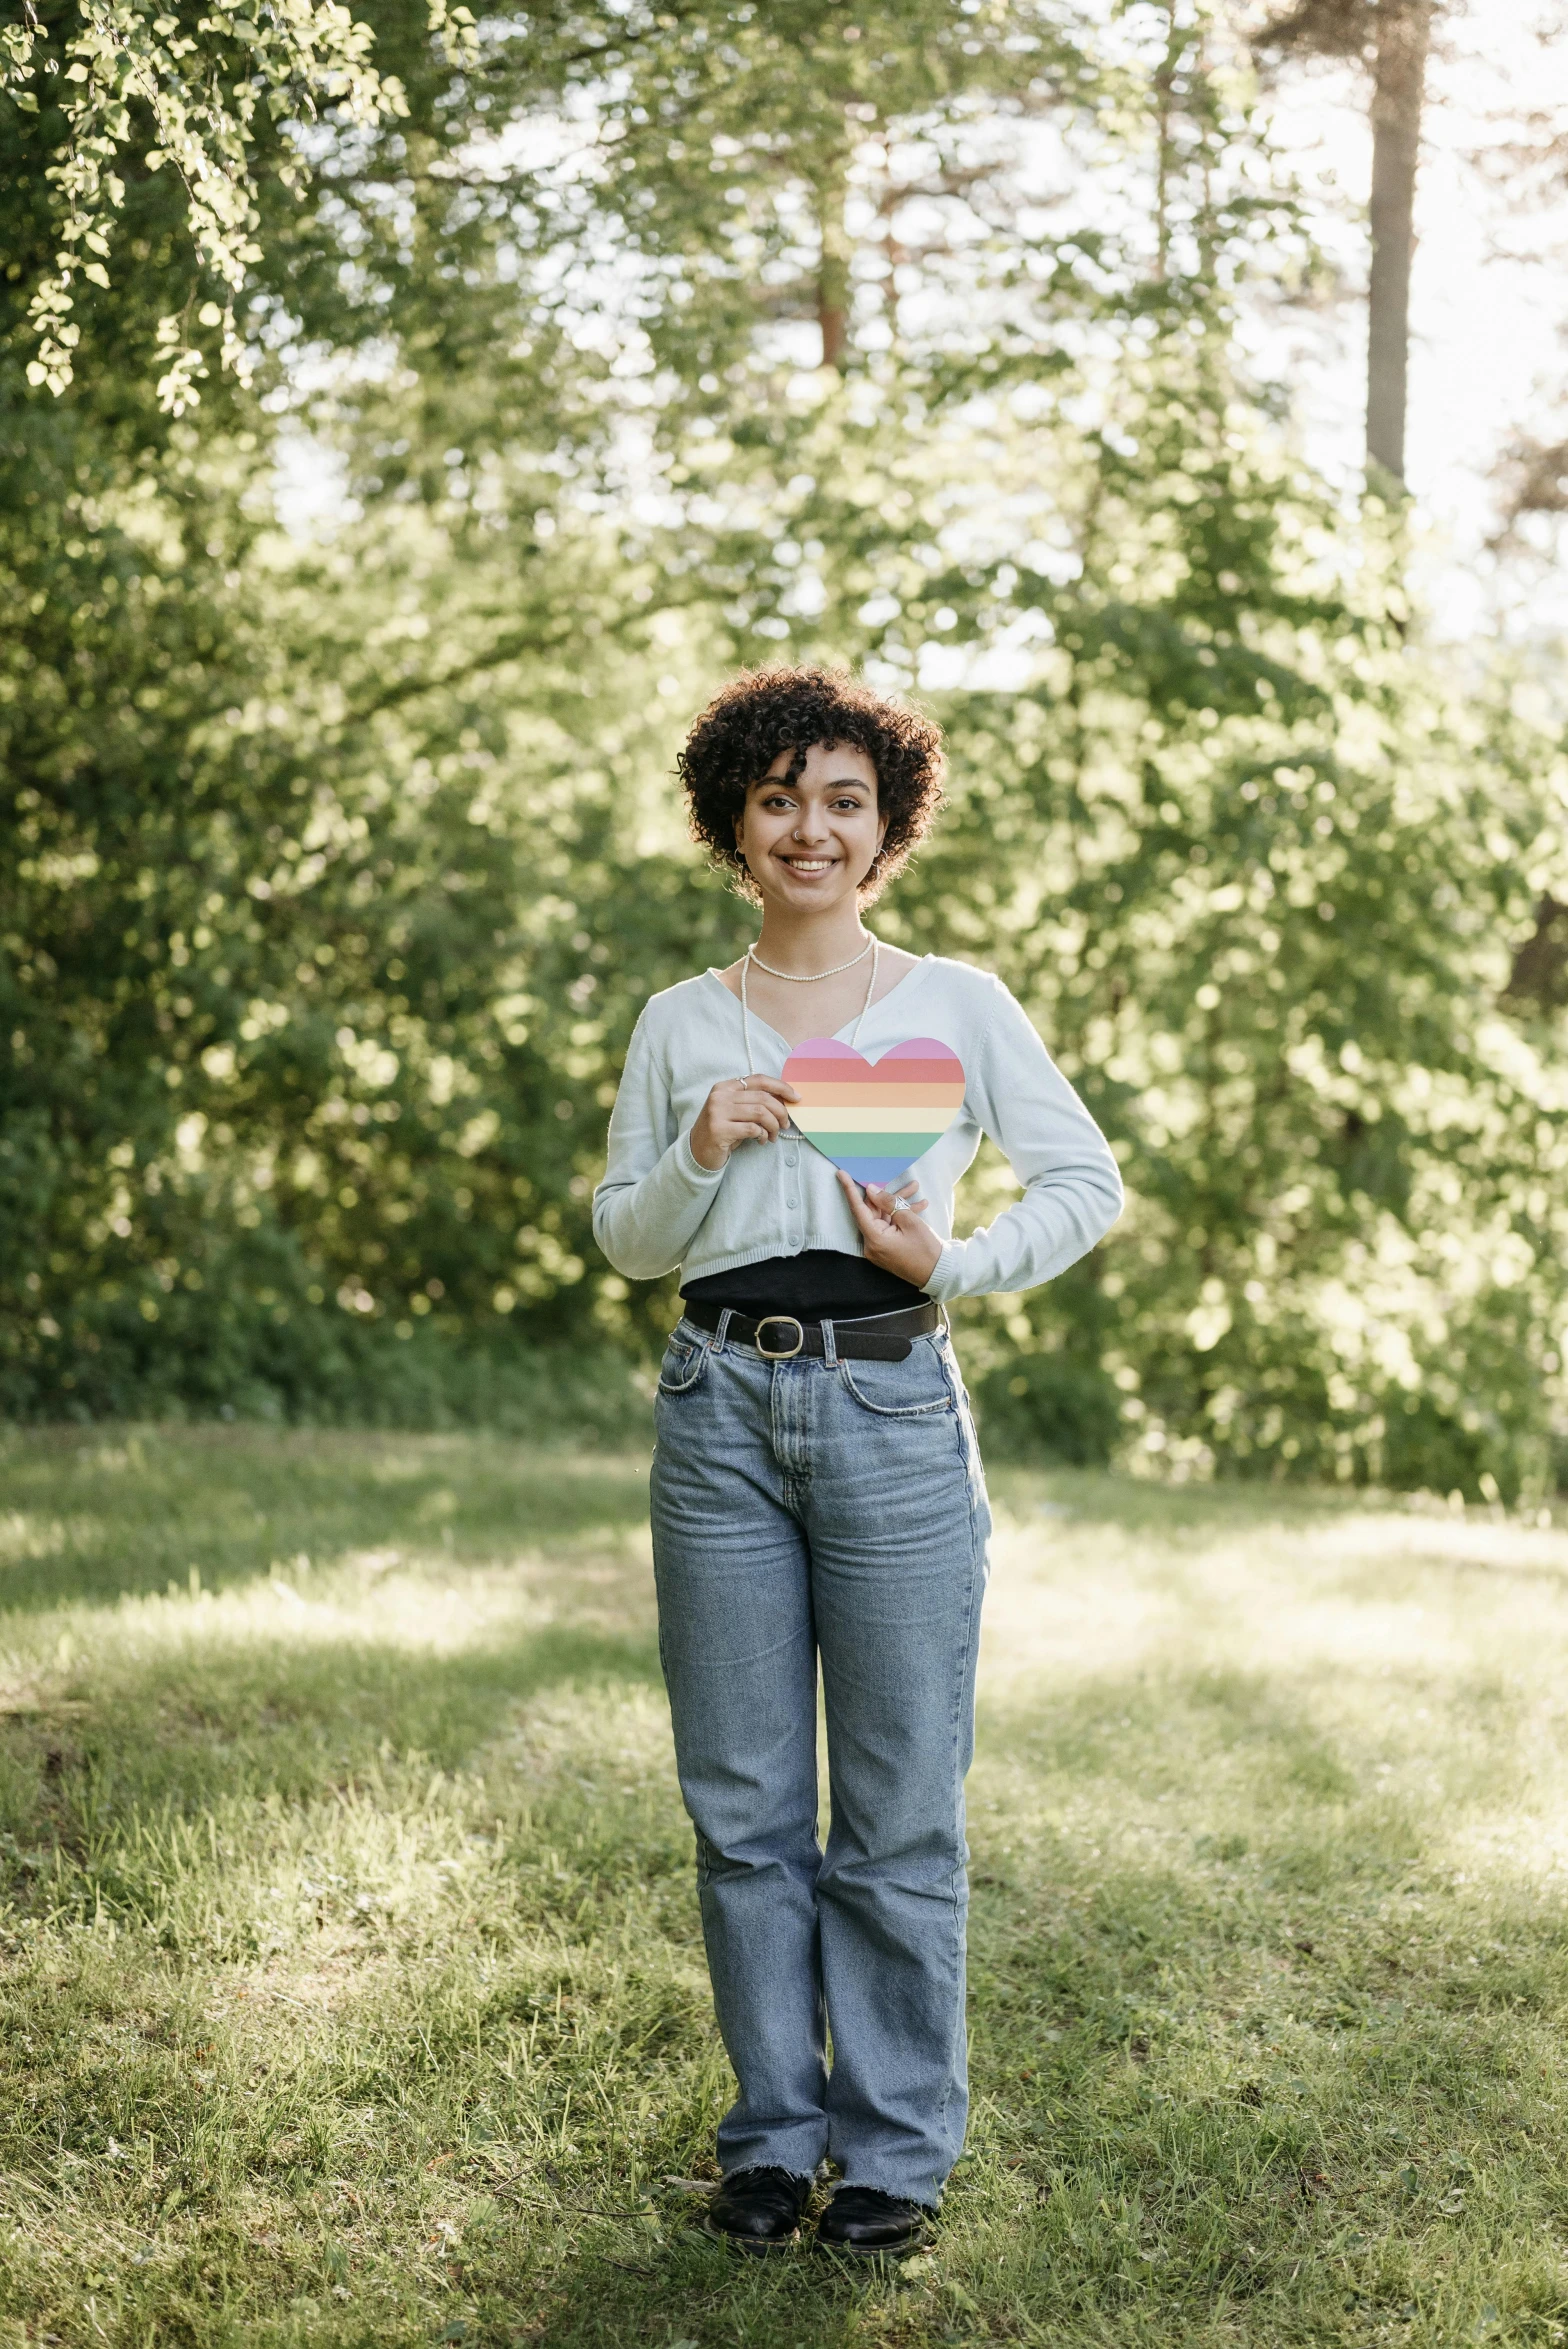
(841, 783)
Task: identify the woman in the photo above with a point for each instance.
(817, 1491)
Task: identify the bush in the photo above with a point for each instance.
(1048, 1407)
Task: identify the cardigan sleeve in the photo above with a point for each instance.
(1072, 1188)
(654, 1195)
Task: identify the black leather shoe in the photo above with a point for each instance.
(758, 2210)
(862, 2223)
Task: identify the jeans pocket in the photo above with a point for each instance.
(682, 1367)
(916, 1388)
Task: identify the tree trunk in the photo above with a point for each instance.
(1164, 79)
(1403, 30)
(833, 269)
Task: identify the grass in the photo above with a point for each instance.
(352, 1986)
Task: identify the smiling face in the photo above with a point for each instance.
(809, 840)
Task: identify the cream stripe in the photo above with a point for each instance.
(864, 1118)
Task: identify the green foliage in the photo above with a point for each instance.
(120, 90)
(339, 856)
(1053, 1406)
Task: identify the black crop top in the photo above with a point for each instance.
(820, 1284)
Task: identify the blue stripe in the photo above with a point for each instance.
(872, 1170)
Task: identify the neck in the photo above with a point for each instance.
(806, 942)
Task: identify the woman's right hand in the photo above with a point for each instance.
(741, 1109)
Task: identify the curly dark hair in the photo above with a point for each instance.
(763, 711)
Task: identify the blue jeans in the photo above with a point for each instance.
(834, 1509)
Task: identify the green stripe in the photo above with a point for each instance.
(875, 1145)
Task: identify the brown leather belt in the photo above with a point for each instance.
(779, 1337)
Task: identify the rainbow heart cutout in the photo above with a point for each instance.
(874, 1119)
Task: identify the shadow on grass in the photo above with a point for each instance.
(90, 1518)
(1220, 2099)
(1251, 2067)
(1150, 1731)
(1216, 2102)
(278, 1723)
(1171, 1512)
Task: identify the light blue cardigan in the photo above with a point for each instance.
(658, 1209)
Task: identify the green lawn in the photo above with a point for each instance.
(353, 1990)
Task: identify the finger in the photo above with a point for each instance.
(906, 1186)
(774, 1085)
(870, 1224)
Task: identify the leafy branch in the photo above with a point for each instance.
(211, 91)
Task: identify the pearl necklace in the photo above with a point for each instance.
(809, 978)
(875, 952)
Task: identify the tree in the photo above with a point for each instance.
(1249, 858)
(221, 98)
(1391, 38)
(337, 866)
(297, 835)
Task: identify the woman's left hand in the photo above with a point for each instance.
(891, 1230)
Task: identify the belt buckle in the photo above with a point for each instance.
(779, 1353)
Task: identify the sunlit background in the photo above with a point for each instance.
(1488, 355)
(1015, 352)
